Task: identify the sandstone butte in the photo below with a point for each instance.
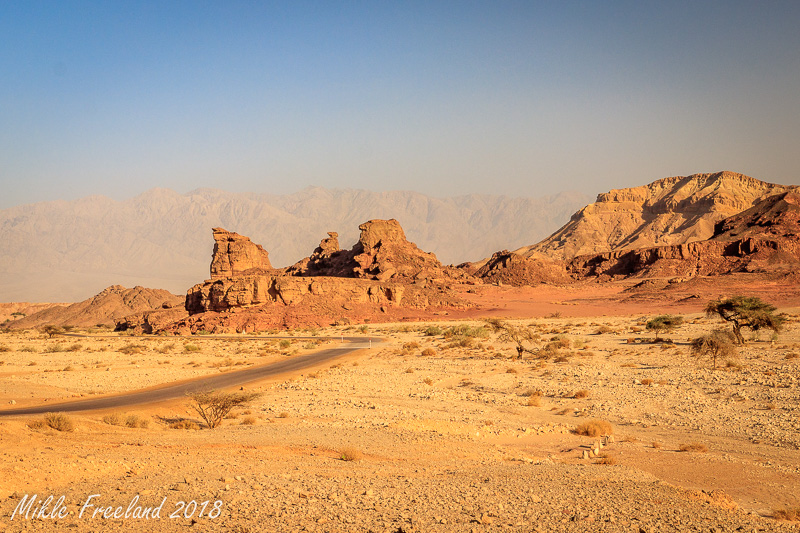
(382, 274)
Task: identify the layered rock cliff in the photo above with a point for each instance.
(669, 211)
(764, 238)
(235, 254)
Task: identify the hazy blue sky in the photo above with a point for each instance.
(517, 98)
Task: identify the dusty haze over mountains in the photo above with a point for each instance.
(68, 251)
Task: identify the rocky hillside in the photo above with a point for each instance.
(67, 251)
(669, 211)
(764, 238)
(104, 308)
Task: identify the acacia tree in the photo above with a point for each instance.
(664, 323)
(745, 312)
(519, 335)
(213, 406)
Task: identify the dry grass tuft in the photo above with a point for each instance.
(248, 421)
(697, 447)
(350, 454)
(534, 401)
(583, 393)
(512, 370)
(428, 352)
(656, 445)
(184, 424)
(791, 514)
(594, 428)
(427, 381)
(646, 382)
(283, 414)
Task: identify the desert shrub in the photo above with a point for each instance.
(188, 348)
(664, 323)
(427, 381)
(59, 422)
(363, 328)
(283, 414)
(51, 331)
(791, 514)
(166, 348)
(4, 348)
(31, 349)
(55, 348)
(433, 331)
(512, 370)
(248, 421)
(603, 330)
(213, 406)
(594, 428)
(284, 344)
(717, 345)
(113, 419)
(695, 446)
(184, 424)
(37, 424)
(656, 445)
(350, 454)
(582, 394)
(410, 347)
(646, 381)
(134, 421)
(131, 349)
(534, 401)
(428, 352)
(531, 392)
(734, 365)
(409, 370)
(73, 347)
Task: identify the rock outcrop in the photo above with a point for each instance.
(670, 211)
(381, 253)
(764, 238)
(383, 275)
(235, 254)
(105, 308)
(509, 268)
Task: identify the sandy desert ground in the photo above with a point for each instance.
(463, 438)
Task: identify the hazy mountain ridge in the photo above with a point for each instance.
(67, 251)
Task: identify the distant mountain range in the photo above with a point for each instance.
(68, 251)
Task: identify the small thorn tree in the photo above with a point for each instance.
(214, 406)
(664, 324)
(716, 345)
(519, 335)
(745, 312)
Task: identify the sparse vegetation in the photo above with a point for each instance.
(213, 406)
(189, 348)
(582, 394)
(594, 428)
(57, 421)
(663, 324)
(791, 514)
(697, 447)
(428, 352)
(718, 344)
(745, 312)
(350, 454)
(521, 336)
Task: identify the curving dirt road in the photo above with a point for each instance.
(175, 390)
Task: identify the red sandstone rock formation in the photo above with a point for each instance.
(508, 268)
(235, 254)
(384, 274)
